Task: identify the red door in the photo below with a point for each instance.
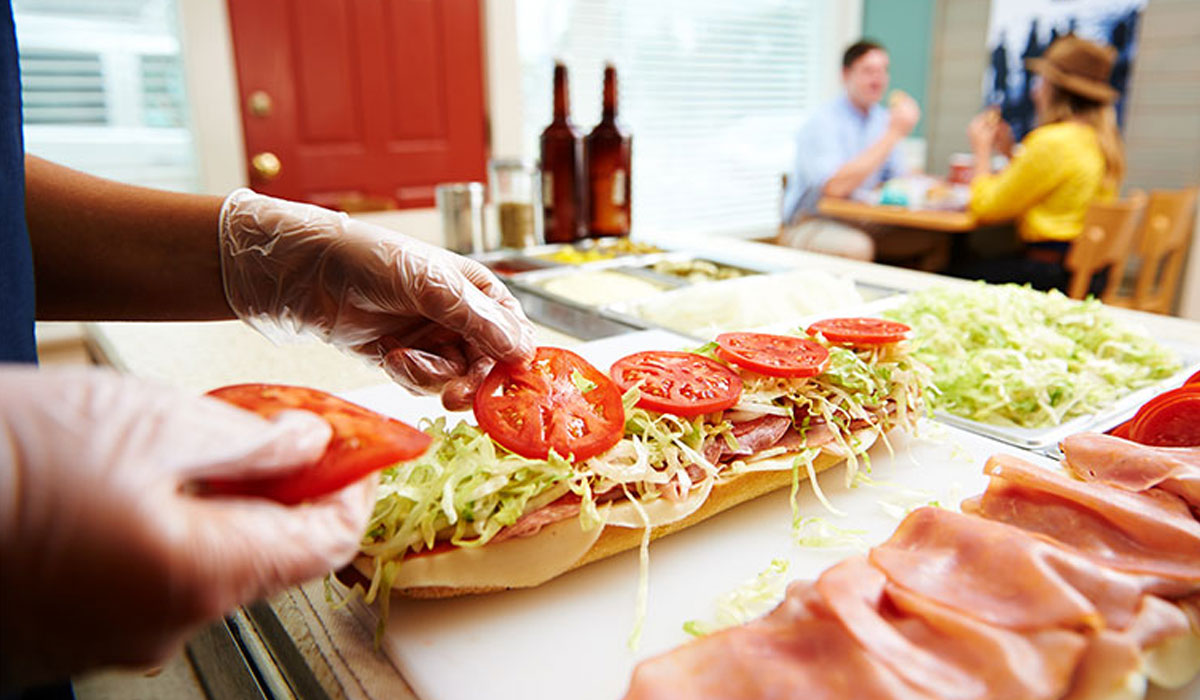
(350, 100)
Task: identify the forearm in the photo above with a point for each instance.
(983, 160)
(851, 175)
(107, 251)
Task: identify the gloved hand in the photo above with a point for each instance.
(105, 556)
(435, 321)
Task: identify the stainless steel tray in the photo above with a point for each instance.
(1045, 440)
(775, 304)
(532, 257)
(566, 316)
(508, 263)
(570, 316)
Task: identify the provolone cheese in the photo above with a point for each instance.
(865, 437)
(1174, 662)
(661, 511)
(514, 563)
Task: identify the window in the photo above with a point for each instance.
(103, 90)
(712, 91)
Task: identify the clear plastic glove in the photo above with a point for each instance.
(105, 556)
(435, 321)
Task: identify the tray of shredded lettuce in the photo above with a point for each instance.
(1030, 367)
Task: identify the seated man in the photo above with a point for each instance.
(846, 145)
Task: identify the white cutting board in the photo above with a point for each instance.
(568, 637)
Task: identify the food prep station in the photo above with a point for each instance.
(600, 288)
(293, 646)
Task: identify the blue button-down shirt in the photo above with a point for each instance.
(833, 135)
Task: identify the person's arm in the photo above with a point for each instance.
(1032, 174)
(435, 321)
(981, 134)
(904, 116)
(108, 251)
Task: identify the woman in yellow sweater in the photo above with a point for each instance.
(1074, 158)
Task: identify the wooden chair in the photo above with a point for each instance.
(1162, 245)
(1106, 241)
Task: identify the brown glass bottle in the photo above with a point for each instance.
(607, 157)
(562, 206)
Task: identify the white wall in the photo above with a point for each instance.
(212, 95)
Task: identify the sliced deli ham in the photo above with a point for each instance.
(799, 649)
(1132, 466)
(942, 652)
(1110, 665)
(758, 434)
(1149, 534)
(1002, 575)
(1119, 663)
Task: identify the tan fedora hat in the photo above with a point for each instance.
(1078, 66)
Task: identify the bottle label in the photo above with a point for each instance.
(618, 188)
(547, 189)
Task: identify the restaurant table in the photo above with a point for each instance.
(296, 644)
(926, 219)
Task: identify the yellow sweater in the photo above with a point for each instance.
(1048, 186)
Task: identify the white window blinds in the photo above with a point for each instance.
(711, 90)
(102, 89)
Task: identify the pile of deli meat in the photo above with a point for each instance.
(1045, 586)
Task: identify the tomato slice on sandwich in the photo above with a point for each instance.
(680, 383)
(773, 355)
(363, 442)
(860, 331)
(557, 401)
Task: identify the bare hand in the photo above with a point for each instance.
(1004, 140)
(981, 132)
(905, 113)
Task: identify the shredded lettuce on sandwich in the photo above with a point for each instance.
(467, 489)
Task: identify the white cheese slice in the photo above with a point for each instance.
(1174, 662)
(866, 438)
(518, 562)
(662, 511)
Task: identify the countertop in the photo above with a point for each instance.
(201, 356)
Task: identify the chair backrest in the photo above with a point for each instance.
(1106, 241)
(1163, 243)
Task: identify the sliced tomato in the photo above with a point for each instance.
(363, 442)
(681, 383)
(557, 401)
(1194, 379)
(773, 355)
(1171, 419)
(860, 331)
(1122, 430)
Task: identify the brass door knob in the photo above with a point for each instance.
(266, 165)
(259, 103)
